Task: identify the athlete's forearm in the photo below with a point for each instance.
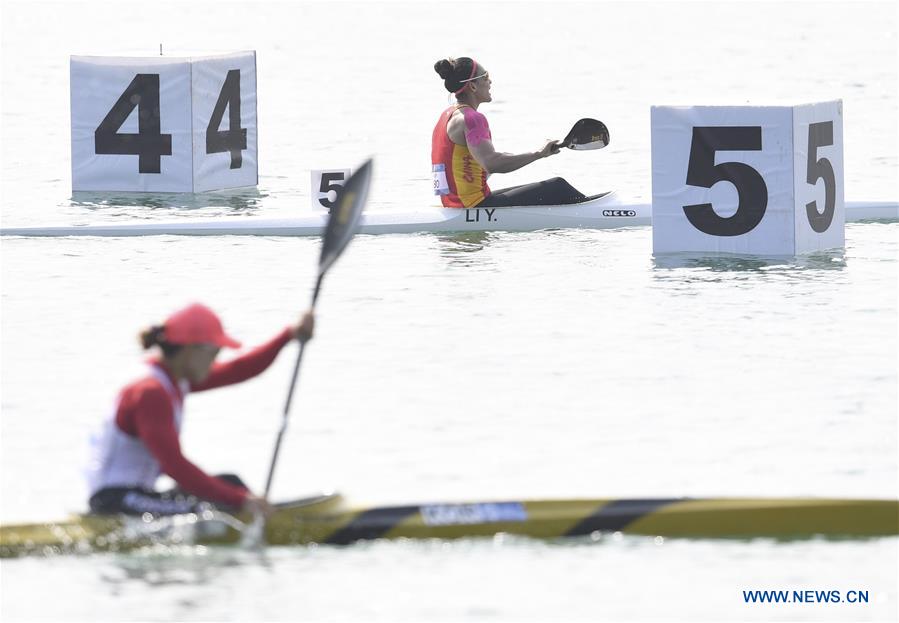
(195, 481)
(506, 163)
(157, 431)
(246, 366)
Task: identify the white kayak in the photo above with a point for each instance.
(606, 211)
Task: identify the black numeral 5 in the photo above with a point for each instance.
(820, 135)
(703, 172)
(327, 186)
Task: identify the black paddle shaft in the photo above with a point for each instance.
(343, 221)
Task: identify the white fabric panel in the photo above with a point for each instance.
(97, 84)
(214, 170)
(770, 197)
(118, 97)
(830, 116)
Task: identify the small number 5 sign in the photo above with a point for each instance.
(325, 186)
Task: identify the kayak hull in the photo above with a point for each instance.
(328, 520)
(606, 211)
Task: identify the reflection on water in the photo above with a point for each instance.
(834, 259)
(162, 565)
(230, 202)
(462, 248)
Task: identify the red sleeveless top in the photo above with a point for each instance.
(459, 179)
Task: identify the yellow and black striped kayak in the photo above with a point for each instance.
(328, 519)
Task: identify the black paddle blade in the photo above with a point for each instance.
(587, 134)
(344, 216)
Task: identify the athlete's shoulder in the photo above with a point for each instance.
(471, 114)
(456, 117)
(145, 389)
(144, 399)
(153, 384)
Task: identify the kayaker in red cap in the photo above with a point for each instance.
(139, 441)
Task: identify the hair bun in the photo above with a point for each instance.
(445, 68)
(151, 336)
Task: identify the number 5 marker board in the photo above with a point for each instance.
(748, 179)
(164, 124)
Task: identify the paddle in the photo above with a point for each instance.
(586, 134)
(342, 224)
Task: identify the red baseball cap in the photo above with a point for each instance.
(197, 324)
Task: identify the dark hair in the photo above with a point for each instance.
(454, 71)
(153, 336)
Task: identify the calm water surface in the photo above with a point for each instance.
(447, 367)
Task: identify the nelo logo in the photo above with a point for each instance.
(619, 213)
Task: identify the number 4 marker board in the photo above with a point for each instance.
(164, 124)
(748, 179)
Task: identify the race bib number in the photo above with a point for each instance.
(441, 186)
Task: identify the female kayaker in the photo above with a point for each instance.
(462, 152)
(139, 441)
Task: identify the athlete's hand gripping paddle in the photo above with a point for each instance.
(343, 222)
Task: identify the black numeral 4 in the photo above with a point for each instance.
(234, 139)
(149, 144)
